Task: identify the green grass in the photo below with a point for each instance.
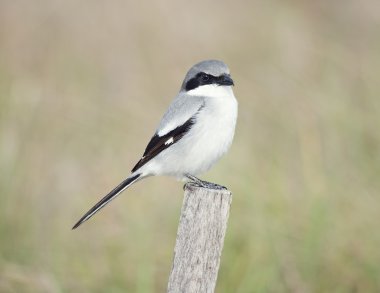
(82, 87)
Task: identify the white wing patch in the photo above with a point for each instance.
(169, 141)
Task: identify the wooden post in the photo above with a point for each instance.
(199, 242)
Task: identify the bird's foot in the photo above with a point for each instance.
(196, 182)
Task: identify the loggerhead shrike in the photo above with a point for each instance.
(194, 133)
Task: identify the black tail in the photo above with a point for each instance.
(105, 200)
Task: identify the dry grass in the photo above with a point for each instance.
(82, 86)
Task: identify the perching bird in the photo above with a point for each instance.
(194, 133)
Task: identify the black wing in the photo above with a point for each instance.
(159, 143)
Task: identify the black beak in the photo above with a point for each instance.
(225, 79)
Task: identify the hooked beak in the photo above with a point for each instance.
(225, 79)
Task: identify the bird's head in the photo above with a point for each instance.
(205, 75)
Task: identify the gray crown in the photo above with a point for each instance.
(213, 67)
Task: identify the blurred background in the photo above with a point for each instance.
(83, 85)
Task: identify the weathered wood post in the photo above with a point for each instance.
(200, 238)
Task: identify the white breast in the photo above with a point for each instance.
(208, 139)
(215, 126)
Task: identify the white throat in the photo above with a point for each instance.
(211, 90)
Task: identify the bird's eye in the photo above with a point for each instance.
(205, 77)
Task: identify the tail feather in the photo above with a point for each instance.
(105, 200)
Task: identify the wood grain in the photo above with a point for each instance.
(200, 238)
